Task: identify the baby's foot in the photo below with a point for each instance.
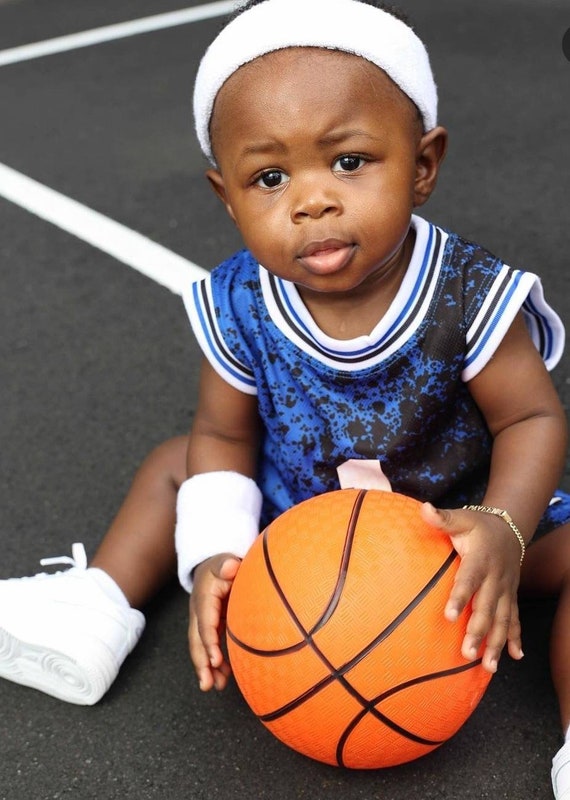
(62, 634)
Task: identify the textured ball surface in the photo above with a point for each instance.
(336, 633)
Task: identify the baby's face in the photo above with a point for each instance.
(317, 153)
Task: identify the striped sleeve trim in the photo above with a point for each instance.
(545, 326)
(201, 311)
(511, 292)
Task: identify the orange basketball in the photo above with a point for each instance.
(336, 633)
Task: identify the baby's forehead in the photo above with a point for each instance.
(303, 65)
(286, 60)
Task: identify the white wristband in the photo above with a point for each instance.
(216, 512)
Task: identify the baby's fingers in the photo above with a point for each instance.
(514, 638)
(505, 628)
(490, 622)
(470, 575)
(493, 629)
(212, 584)
(490, 616)
(200, 657)
(211, 668)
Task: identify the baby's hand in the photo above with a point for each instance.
(489, 576)
(213, 579)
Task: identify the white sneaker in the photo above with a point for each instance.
(62, 634)
(561, 773)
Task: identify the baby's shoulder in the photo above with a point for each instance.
(468, 256)
(239, 267)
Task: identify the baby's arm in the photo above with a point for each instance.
(520, 405)
(224, 437)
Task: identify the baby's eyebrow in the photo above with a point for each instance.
(268, 147)
(337, 137)
(274, 146)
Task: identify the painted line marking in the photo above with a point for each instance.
(120, 30)
(127, 246)
(131, 248)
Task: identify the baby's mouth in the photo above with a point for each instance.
(327, 256)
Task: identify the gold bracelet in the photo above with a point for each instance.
(499, 512)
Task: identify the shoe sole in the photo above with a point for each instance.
(49, 671)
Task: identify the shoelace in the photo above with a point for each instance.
(77, 559)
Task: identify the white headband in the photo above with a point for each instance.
(348, 25)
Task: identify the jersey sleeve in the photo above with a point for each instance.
(503, 296)
(214, 310)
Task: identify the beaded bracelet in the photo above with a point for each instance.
(499, 512)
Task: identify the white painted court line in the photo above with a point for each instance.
(131, 248)
(119, 31)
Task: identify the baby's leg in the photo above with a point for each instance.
(68, 633)
(546, 573)
(138, 549)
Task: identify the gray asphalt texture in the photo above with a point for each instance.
(97, 365)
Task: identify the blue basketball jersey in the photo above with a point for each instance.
(398, 395)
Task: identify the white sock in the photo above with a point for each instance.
(108, 585)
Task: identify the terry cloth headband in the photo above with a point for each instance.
(347, 25)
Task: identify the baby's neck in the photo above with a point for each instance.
(350, 315)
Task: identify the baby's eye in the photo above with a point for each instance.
(348, 163)
(272, 178)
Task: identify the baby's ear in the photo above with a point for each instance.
(218, 185)
(429, 156)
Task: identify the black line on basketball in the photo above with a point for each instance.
(343, 738)
(397, 621)
(341, 577)
(298, 701)
(330, 606)
(394, 690)
(343, 571)
(432, 676)
(256, 651)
